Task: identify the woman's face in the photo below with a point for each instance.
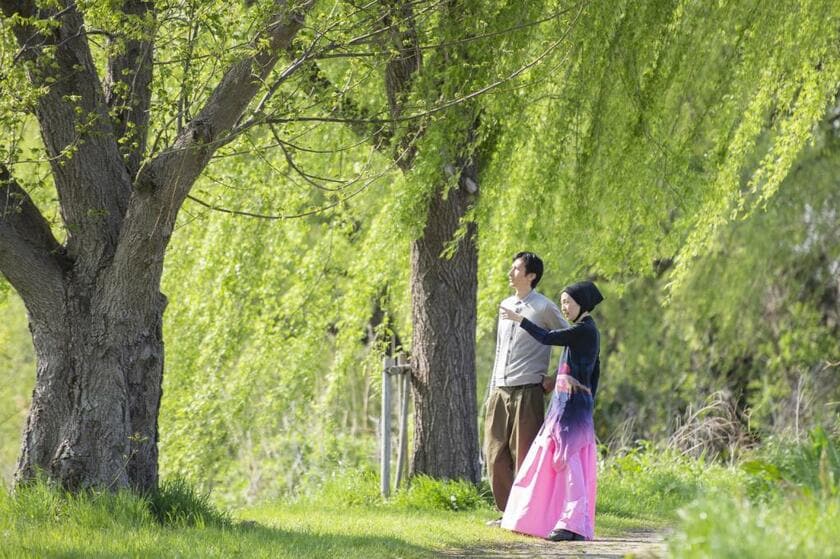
(569, 307)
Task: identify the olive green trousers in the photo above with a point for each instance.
(512, 420)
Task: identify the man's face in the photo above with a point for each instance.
(517, 278)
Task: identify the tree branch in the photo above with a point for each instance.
(163, 183)
(92, 183)
(442, 106)
(400, 71)
(127, 84)
(30, 257)
(346, 109)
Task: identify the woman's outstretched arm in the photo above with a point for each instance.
(563, 336)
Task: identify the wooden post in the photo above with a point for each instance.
(403, 448)
(385, 429)
(393, 366)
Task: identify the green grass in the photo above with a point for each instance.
(789, 506)
(726, 526)
(342, 517)
(647, 486)
(39, 521)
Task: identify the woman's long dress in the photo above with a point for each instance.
(556, 485)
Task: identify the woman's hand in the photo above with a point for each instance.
(569, 384)
(510, 314)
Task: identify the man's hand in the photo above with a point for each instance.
(548, 384)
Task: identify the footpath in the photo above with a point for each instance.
(638, 545)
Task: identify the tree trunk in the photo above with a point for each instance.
(93, 419)
(443, 308)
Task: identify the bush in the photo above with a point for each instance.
(425, 493)
(177, 502)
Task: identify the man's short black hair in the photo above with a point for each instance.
(533, 265)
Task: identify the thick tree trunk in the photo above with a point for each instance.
(93, 419)
(443, 305)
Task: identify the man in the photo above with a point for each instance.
(515, 406)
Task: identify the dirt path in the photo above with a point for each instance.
(638, 545)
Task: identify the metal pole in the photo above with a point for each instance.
(385, 430)
(403, 448)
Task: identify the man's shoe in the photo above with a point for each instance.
(564, 536)
(495, 523)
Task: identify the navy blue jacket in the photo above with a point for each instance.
(583, 344)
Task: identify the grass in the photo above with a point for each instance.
(343, 516)
(39, 521)
(788, 506)
(726, 526)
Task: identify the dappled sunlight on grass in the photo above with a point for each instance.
(781, 502)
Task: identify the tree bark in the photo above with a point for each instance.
(93, 418)
(443, 310)
(127, 83)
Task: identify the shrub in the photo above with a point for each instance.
(425, 493)
(177, 502)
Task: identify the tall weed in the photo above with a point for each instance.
(790, 506)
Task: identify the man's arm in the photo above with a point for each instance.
(498, 349)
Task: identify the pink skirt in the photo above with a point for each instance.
(550, 494)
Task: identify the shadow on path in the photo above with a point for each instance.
(639, 545)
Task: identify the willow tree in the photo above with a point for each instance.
(436, 66)
(443, 282)
(566, 158)
(473, 54)
(93, 300)
(753, 327)
(668, 120)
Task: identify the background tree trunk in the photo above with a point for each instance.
(443, 309)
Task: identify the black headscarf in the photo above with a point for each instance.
(585, 294)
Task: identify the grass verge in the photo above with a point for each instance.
(343, 516)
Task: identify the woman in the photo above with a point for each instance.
(553, 495)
